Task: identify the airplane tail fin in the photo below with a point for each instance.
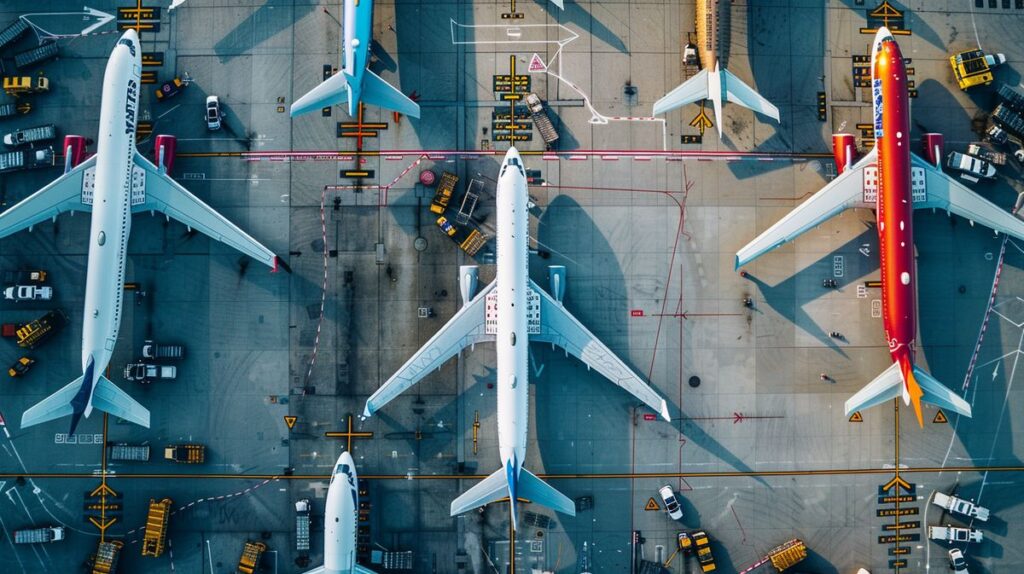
(920, 387)
(55, 406)
(332, 91)
(717, 85)
(110, 399)
(502, 483)
(383, 95)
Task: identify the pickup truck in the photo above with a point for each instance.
(145, 372)
(28, 293)
(971, 168)
(960, 506)
(26, 136)
(954, 534)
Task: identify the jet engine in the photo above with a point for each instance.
(467, 283)
(164, 147)
(932, 143)
(556, 281)
(844, 150)
(74, 151)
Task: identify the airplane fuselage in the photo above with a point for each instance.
(895, 209)
(512, 338)
(707, 31)
(111, 211)
(341, 514)
(358, 33)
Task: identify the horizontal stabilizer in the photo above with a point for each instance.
(330, 92)
(889, 385)
(886, 386)
(693, 90)
(110, 399)
(940, 395)
(738, 92)
(539, 492)
(52, 407)
(379, 93)
(488, 490)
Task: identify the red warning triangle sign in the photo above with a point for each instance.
(537, 65)
(940, 418)
(652, 504)
(290, 421)
(856, 417)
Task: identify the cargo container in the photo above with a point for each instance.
(123, 452)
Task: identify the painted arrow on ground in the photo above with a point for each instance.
(65, 24)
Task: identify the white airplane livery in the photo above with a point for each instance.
(341, 515)
(511, 312)
(114, 184)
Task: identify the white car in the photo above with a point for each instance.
(957, 561)
(671, 504)
(28, 293)
(213, 115)
(971, 168)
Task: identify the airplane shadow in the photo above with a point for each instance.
(262, 24)
(578, 15)
(565, 226)
(782, 297)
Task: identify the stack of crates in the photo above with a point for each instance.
(787, 555)
(251, 554)
(443, 195)
(105, 559)
(156, 527)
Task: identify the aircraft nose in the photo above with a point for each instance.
(512, 153)
(346, 458)
(881, 36)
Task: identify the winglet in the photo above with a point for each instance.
(664, 411)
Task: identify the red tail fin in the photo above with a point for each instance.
(913, 390)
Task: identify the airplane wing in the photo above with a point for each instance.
(944, 192)
(165, 195)
(841, 193)
(559, 327)
(62, 195)
(466, 328)
(740, 93)
(357, 569)
(693, 90)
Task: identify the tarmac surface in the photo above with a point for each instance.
(759, 452)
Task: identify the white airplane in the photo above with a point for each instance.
(355, 82)
(712, 82)
(114, 184)
(512, 311)
(340, 518)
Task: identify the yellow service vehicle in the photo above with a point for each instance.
(974, 67)
(17, 85)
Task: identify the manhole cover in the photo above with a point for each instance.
(694, 381)
(420, 243)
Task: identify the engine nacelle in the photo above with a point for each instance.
(844, 150)
(556, 281)
(74, 151)
(164, 147)
(467, 283)
(932, 143)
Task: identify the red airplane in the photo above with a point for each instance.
(892, 181)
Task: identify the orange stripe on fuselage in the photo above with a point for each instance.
(895, 203)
